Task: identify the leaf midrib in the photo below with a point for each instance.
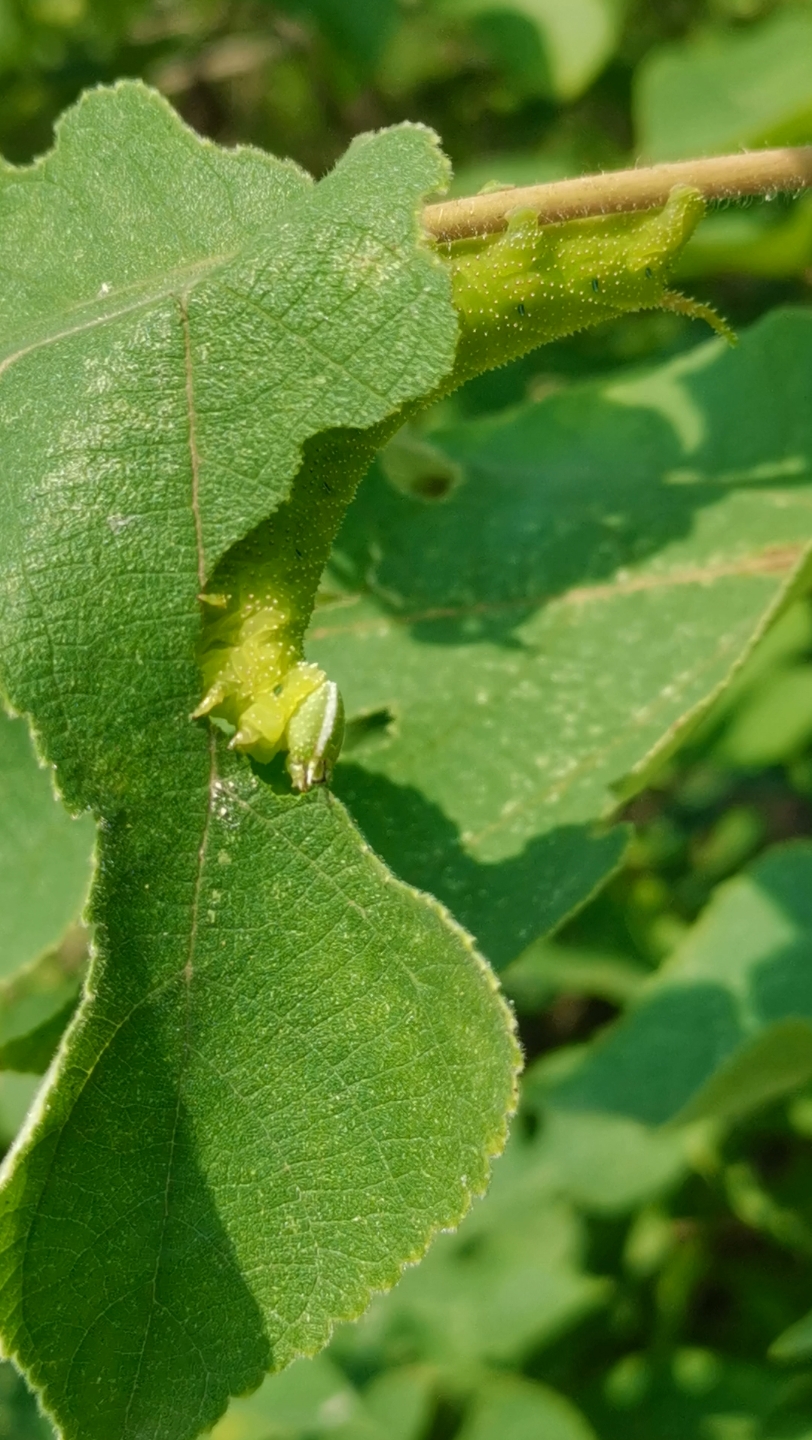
(202, 849)
(92, 313)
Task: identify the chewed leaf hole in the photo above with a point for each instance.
(418, 468)
(361, 728)
(433, 486)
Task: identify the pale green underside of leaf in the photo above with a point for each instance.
(541, 636)
(289, 1069)
(44, 856)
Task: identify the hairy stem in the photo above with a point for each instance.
(721, 177)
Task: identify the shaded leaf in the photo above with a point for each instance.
(545, 969)
(37, 1002)
(541, 637)
(560, 48)
(794, 1343)
(695, 1394)
(358, 31)
(727, 1024)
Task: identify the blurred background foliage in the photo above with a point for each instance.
(642, 1267)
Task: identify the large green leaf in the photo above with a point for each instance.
(721, 90)
(727, 1024)
(529, 645)
(289, 1069)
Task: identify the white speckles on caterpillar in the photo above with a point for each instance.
(533, 284)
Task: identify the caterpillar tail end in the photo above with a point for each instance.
(683, 305)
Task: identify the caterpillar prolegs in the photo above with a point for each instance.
(512, 293)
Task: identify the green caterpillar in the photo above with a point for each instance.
(534, 284)
(251, 646)
(512, 293)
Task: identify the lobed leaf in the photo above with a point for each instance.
(289, 1069)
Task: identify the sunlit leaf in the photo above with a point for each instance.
(289, 1069)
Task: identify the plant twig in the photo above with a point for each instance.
(721, 177)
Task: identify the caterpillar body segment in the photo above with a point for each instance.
(513, 292)
(258, 605)
(534, 284)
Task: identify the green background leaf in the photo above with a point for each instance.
(44, 855)
(718, 91)
(547, 47)
(531, 641)
(524, 1411)
(727, 1024)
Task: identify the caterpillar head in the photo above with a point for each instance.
(315, 734)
